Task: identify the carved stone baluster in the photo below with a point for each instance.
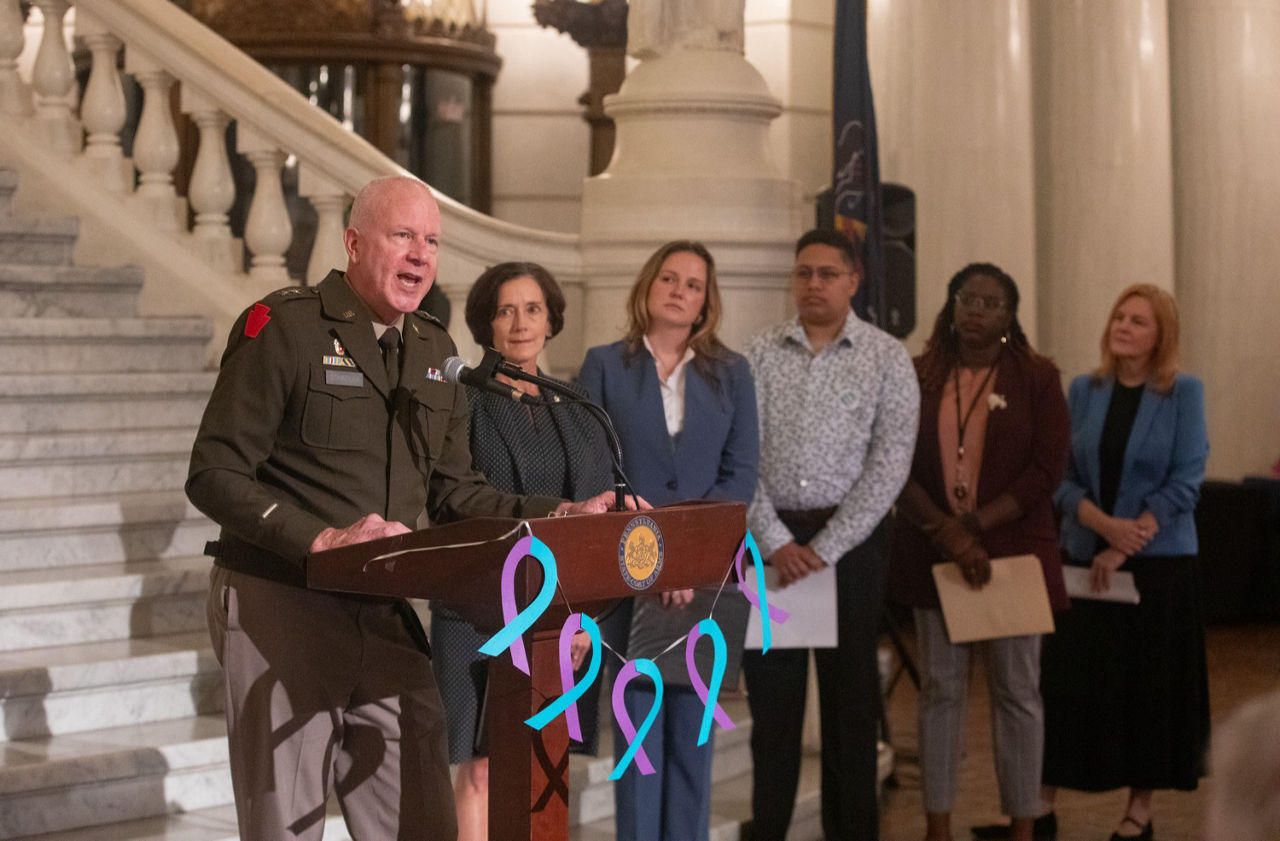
(102, 112)
(329, 200)
(268, 231)
(15, 99)
(155, 146)
(212, 189)
(53, 79)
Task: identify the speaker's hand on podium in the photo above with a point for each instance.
(368, 527)
(599, 504)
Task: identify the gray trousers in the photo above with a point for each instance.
(1017, 715)
(328, 693)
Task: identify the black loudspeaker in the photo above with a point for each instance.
(899, 214)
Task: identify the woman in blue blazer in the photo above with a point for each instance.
(684, 407)
(1125, 686)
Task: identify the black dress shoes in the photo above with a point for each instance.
(1044, 828)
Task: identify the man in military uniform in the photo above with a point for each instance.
(313, 440)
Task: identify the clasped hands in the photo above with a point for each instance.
(956, 542)
(1124, 537)
(793, 562)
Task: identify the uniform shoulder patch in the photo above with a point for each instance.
(257, 319)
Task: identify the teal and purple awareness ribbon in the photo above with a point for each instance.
(568, 702)
(519, 621)
(710, 697)
(759, 596)
(635, 736)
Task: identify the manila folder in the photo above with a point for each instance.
(1013, 603)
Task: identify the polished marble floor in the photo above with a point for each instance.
(1244, 661)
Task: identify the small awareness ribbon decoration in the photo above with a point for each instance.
(708, 628)
(635, 736)
(567, 703)
(759, 595)
(519, 621)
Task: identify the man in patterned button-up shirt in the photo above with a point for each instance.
(839, 409)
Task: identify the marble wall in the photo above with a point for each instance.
(541, 145)
(1103, 172)
(952, 83)
(1226, 119)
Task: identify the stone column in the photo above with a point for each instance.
(1103, 164)
(952, 82)
(1226, 118)
(692, 160)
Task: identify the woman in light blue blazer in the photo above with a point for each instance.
(684, 407)
(1125, 686)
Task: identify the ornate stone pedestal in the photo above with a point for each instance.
(691, 161)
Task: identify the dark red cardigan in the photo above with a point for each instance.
(1024, 454)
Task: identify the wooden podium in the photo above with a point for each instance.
(529, 769)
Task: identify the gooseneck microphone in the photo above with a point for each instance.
(456, 370)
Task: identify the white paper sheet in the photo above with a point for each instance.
(1123, 589)
(811, 601)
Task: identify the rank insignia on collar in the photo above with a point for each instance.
(337, 347)
(436, 375)
(339, 361)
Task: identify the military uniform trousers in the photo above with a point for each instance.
(325, 694)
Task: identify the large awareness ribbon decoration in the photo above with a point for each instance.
(567, 703)
(519, 621)
(635, 737)
(709, 697)
(759, 597)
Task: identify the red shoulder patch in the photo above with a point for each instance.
(258, 319)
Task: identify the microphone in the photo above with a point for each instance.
(456, 370)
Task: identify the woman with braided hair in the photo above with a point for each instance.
(989, 454)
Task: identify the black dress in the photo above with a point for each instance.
(1125, 687)
(556, 451)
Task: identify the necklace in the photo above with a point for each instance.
(961, 489)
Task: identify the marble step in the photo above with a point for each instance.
(169, 611)
(118, 774)
(31, 588)
(215, 824)
(79, 402)
(91, 444)
(66, 345)
(69, 291)
(8, 183)
(43, 242)
(80, 688)
(53, 478)
(103, 529)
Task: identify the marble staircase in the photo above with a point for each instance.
(110, 699)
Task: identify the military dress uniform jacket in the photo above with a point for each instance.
(298, 435)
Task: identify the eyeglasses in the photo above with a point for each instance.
(975, 302)
(826, 275)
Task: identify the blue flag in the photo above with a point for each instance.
(856, 178)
